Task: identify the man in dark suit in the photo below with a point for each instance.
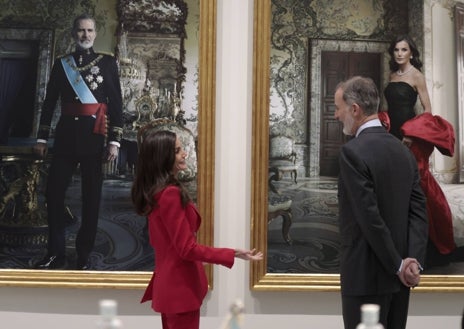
(383, 223)
(89, 131)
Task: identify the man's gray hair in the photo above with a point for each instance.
(362, 91)
(80, 18)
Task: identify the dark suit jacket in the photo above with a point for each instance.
(382, 212)
(179, 284)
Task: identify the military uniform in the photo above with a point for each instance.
(76, 142)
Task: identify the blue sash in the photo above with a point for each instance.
(74, 77)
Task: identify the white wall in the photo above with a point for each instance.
(441, 72)
(77, 308)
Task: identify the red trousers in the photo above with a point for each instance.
(187, 320)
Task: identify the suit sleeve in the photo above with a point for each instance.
(182, 235)
(362, 199)
(114, 100)
(418, 223)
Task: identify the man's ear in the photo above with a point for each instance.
(357, 111)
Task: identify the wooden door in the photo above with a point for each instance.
(336, 67)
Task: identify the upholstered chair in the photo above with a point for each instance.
(282, 156)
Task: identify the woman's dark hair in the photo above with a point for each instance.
(415, 61)
(153, 172)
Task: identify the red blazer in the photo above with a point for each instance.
(180, 283)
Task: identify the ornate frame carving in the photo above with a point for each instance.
(206, 133)
(260, 280)
(158, 16)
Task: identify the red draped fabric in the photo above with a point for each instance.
(429, 131)
(384, 119)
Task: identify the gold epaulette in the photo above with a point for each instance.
(61, 56)
(105, 53)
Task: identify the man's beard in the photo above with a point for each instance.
(85, 44)
(348, 125)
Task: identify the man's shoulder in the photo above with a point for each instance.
(105, 53)
(58, 62)
(374, 130)
(369, 137)
(101, 53)
(373, 133)
(59, 57)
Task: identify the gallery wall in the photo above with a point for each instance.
(77, 308)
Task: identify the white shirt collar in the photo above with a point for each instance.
(368, 124)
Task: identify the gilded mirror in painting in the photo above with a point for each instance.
(295, 139)
(167, 77)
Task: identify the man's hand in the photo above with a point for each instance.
(111, 152)
(40, 149)
(410, 272)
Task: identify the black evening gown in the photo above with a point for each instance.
(401, 98)
(428, 132)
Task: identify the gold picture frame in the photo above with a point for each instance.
(205, 193)
(260, 279)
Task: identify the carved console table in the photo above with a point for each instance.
(23, 218)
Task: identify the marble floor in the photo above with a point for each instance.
(314, 231)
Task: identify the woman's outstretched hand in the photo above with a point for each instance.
(248, 254)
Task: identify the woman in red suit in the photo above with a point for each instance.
(180, 284)
(421, 133)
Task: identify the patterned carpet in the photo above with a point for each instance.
(121, 242)
(314, 232)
